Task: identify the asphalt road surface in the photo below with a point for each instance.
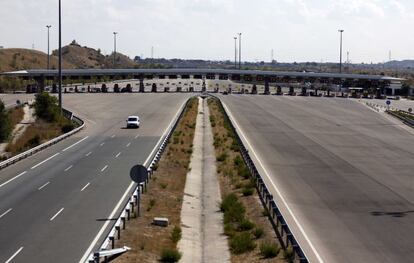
(54, 204)
(345, 174)
(10, 100)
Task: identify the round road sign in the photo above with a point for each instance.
(388, 102)
(410, 110)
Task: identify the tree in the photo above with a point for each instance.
(46, 107)
(5, 123)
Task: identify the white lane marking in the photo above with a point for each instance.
(113, 136)
(89, 153)
(67, 169)
(251, 149)
(40, 188)
(5, 213)
(37, 165)
(60, 211)
(136, 136)
(67, 148)
(102, 144)
(116, 156)
(128, 144)
(17, 176)
(103, 169)
(95, 240)
(83, 188)
(14, 255)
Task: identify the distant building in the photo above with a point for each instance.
(1, 47)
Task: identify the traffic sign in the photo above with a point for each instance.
(388, 102)
(410, 110)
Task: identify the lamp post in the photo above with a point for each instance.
(48, 55)
(115, 33)
(60, 56)
(240, 50)
(235, 52)
(340, 50)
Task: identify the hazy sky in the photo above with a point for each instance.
(297, 30)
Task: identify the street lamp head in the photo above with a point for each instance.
(48, 26)
(341, 30)
(115, 33)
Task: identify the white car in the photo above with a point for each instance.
(133, 122)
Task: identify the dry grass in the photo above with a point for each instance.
(164, 197)
(37, 133)
(16, 115)
(230, 172)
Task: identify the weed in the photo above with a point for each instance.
(288, 254)
(241, 243)
(170, 255)
(247, 191)
(176, 234)
(258, 232)
(246, 225)
(269, 250)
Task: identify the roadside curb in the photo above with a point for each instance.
(47, 144)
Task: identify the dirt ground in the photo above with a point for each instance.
(230, 182)
(163, 197)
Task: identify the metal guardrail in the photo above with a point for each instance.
(40, 147)
(407, 121)
(281, 227)
(134, 201)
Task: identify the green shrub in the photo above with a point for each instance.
(246, 225)
(258, 232)
(67, 127)
(241, 243)
(229, 229)
(265, 212)
(5, 123)
(237, 160)
(176, 234)
(222, 157)
(289, 254)
(46, 107)
(269, 250)
(170, 255)
(247, 191)
(233, 209)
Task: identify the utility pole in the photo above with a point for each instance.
(48, 46)
(240, 50)
(115, 33)
(340, 51)
(271, 56)
(152, 53)
(60, 56)
(235, 52)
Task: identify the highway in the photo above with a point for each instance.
(54, 204)
(342, 174)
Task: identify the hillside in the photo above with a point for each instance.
(17, 58)
(86, 57)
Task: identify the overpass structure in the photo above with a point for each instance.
(329, 81)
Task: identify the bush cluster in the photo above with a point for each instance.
(5, 123)
(46, 107)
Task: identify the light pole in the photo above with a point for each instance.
(340, 50)
(48, 55)
(240, 50)
(235, 52)
(115, 33)
(60, 56)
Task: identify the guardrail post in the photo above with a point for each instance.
(131, 203)
(118, 231)
(128, 214)
(112, 239)
(96, 257)
(123, 222)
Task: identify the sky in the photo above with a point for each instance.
(296, 30)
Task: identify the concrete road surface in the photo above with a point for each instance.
(344, 173)
(55, 204)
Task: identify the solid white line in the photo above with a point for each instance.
(103, 169)
(251, 149)
(67, 169)
(37, 165)
(67, 148)
(116, 156)
(5, 213)
(102, 144)
(128, 144)
(53, 217)
(40, 188)
(95, 240)
(85, 187)
(17, 176)
(89, 153)
(14, 255)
